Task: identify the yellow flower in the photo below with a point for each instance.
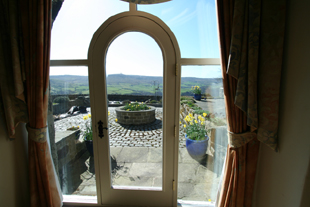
(209, 200)
(202, 123)
(85, 117)
(127, 110)
(129, 104)
(196, 121)
(191, 123)
(89, 115)
(142, 102)
(184, 125)
(191, 115)
(180, 122)
(116, 120)
(108, 113)
(204, 114)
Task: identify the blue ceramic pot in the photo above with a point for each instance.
(197, 97)
(197, 148)
(89, 147)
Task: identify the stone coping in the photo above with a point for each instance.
(119, 109)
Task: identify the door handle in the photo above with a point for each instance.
(101, 128)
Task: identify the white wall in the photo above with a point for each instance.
(14, 185)
(280, 178)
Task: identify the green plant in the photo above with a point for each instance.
(135, 107)
(195, 128)
(186, 98)
(153, 101)
(196, 90)
(190, 103)
(88, 133)
(200, 112)
(61, 99)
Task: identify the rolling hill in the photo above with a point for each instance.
(131, 84)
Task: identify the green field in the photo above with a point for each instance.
(131, 84)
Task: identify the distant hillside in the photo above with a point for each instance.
(131, 84)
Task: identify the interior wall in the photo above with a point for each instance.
(281, 177)
(14, 185)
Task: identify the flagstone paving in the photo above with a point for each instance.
(136, 160)
(142, 166)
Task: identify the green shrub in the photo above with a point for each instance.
(188, 102)
(200, 112)
(61, 99)
(186, 98)
(135, 107)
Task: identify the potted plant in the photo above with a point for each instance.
(88, 134)
(197, 92)
(196, 136)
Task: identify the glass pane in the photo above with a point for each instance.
(201, 157)
(76, 23)
(193, 23)
(134, 70)
(75, 162)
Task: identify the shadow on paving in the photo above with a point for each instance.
(157, 124)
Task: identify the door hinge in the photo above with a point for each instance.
(173, 185)
(175, 131)
(176, 69)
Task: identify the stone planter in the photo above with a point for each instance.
(135, 117)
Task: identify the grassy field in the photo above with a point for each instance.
(131, 84)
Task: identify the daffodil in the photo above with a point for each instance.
(89, 115)
(204, 114)
(108, 113)
(196, 121)
(116, 120)
(184, 125)
(180, 122)
(85, 117)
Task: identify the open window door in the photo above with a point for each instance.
(161, 189)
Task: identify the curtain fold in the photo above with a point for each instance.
(12, 76)
(251, 57)
(36, 33)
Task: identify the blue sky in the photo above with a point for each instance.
(193, 23)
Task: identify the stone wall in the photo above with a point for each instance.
(83, 100)
(135, 117)
(72, 154)
(114, 97)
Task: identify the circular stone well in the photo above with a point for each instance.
(135, 117)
